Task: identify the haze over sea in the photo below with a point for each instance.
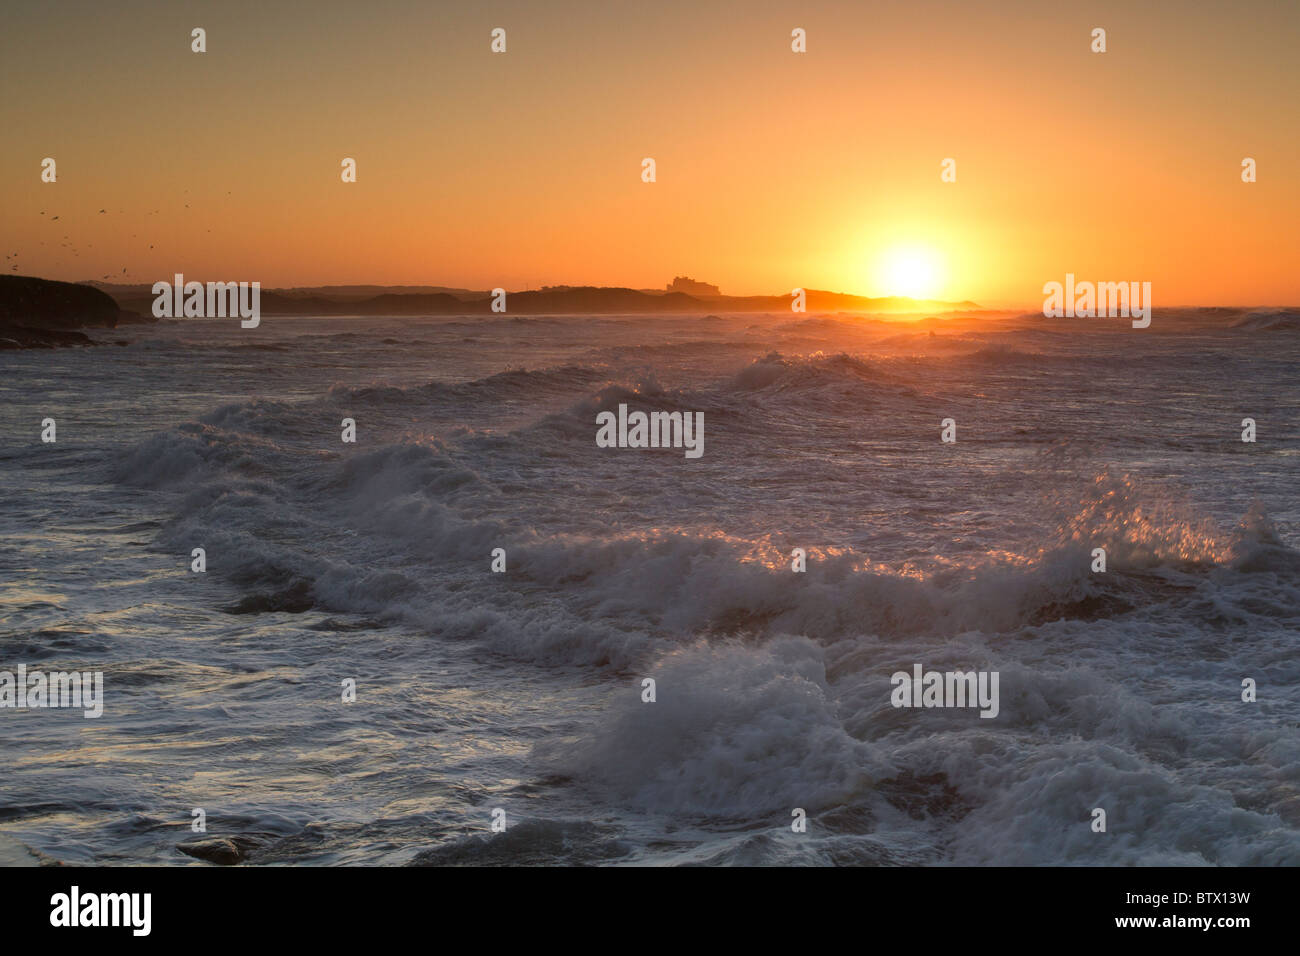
(522, 690)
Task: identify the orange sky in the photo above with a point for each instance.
(775, 169)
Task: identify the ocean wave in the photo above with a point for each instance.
(776, 371)
(1269, 320)
(356, 533)
(732, 733)
(509, 385)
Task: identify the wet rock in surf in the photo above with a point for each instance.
(294, 599)
(224, 851)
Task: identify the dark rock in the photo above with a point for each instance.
(20, 337)
(42, 314)
(224, 851)
(45, 304)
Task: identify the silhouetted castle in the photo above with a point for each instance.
(691, 287)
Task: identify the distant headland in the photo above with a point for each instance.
(44, 313)
(548, 300)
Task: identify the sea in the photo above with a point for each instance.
(472, 636)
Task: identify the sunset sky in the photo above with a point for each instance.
(775, 169)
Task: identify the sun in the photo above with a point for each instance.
(913, 271)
